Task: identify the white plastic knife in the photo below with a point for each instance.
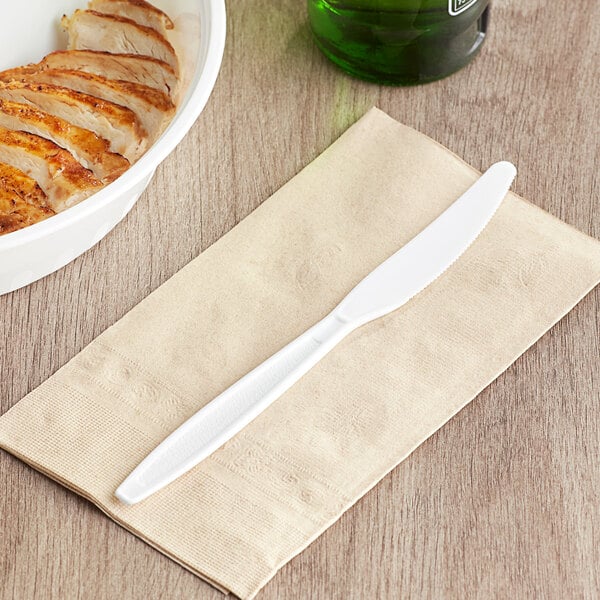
(389, 286)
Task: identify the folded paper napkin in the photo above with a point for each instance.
(263, 497)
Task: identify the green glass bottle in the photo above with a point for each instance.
(399, 42)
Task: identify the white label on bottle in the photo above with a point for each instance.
(455, 7)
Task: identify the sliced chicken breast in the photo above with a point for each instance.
(16, 214)
(91, 30)
(116, 124)
(124, 67)
(137, 10)
(153, 108)
(15, 181)
(90, 150)
(60, 176)
(22, 201)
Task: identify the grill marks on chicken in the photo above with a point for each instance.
(89, 149)
(64, 180)
(91, 30)
(123, 67)
(78, 119)
(22, 201)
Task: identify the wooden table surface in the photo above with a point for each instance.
(504, 501)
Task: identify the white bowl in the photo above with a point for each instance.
(28, 32)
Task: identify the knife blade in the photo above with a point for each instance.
(393, 283)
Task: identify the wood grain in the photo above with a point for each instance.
(504, 500)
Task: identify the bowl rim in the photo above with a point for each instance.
(213, 26)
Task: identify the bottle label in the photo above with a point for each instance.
(455, 7)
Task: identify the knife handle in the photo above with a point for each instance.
(232, 410)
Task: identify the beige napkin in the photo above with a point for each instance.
(245, 511)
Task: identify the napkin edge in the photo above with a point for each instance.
(78, 492)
